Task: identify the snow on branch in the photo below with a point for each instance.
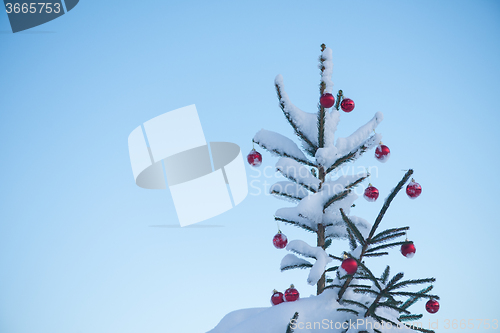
(313, 206)
(289, 215)
(346, 149)
(311, 209)
(280, 145)
(336, 228)
(291, 261)
(331, 121)
(346, 145)
(288, 190)
(371, 142)
(322, 258)
(346, 181)
(304, 123)
(298, 173)
(326, 61)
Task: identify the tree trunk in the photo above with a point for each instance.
(321, 236)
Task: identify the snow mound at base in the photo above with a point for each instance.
(275, 319)
(316, 314)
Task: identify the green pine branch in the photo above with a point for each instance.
(352, 227)
(394, 279)
(300, 266)
(388, 202)
(289, 328)
(285, 195)
(360, 286)
(411, 282)
(365, 291)
(327, 244)
(389, 231)
(335, 257)
(352, 241)
(350, 278)
(297, 181)
(376, 254)
(343, 194)
(380, 247)
(295, 223)
(413, 300)
(337, 197)
(410, 317)
(385, 275)
(348, 310)
(393, 307)
(340, 97)
(348, 301)
(331, 286)
(369, 274)
(283, 154)
(412, 294)
(348, 157)
(387, 237)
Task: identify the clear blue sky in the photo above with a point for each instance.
(77, 250)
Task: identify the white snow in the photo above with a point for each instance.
(345, 204)
(326, 76)
(346, 145)
(329, 154)
(322, 258)
(306, 122)
(309, 210)
(331, 121)
(289, 189)
(291, 213)
(292, 260)
(316, 314)
(342, 181)
(275, 142)
(311, 207)
(362, 136)
(338, 227)
(295, 171)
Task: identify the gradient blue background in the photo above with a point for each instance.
(78, 253)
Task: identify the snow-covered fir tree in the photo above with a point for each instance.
(353, 299)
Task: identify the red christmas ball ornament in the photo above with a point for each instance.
(371, 193)
(413, 189)
(432, 306)
(327, 100)
(277, 297)
(350, 266)
(291, 294)
(382, 153)
(408, 249)
(347, 105)
(254, 158)
(280, 240)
